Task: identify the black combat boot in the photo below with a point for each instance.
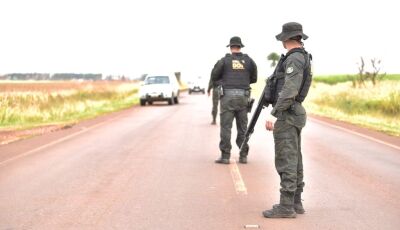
(280, 211)
(214, 120)
(284, 209)
(243, 160)
(222, 160)
(243, 154)
(298, 205)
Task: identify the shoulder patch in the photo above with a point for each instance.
(289, 70)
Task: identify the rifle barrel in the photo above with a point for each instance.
(253, 121)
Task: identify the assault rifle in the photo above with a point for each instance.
(262, 102)
(267, 97)
(268, 94)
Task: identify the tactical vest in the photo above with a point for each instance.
(277, 80)
(236, 73)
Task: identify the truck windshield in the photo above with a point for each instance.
(157, 80)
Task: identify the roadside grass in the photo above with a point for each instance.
(376, 107)
(55, 103)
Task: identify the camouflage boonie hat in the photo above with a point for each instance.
(235, 41)
(290, 30)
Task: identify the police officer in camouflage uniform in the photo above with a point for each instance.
(292, 78)
(215, 98)
(236, 71)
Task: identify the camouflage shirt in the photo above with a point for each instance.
(286, 108)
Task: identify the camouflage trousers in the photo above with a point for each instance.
(233, 107)
(215, 99)
(288, 160)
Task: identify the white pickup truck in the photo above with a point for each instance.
(159, 88)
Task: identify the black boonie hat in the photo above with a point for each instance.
(289, 30)
(235, 41)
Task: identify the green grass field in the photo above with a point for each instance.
(335, 79)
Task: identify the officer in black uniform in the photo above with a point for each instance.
(236, 71)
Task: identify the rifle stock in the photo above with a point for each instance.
(250, 129)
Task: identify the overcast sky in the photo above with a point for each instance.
(152, 36)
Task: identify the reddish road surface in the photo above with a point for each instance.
(152, 168)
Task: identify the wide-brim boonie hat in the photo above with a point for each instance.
(290, 30)
(235, 41)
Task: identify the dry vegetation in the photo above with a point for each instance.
(29, 104)
(376, 107)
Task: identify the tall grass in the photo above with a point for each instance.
(333, 96)
(374, 107)
(48, 104)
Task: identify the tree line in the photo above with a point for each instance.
(56, 76)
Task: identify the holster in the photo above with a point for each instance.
(220, 91)
(250, 104)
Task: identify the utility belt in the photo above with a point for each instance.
(239, 92)
(235, 92)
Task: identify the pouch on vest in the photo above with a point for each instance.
(297, 109)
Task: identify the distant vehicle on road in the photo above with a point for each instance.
(159, 88)
(197, 85)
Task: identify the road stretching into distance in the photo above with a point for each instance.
(153, 168)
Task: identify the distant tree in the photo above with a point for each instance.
(363, 75)
(178, 76)
(27, 76)
(374, 75)
(274, 58)
(143, 76)
(75, 76)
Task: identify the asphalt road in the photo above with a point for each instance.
(152, 168)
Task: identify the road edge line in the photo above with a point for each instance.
(355, 133)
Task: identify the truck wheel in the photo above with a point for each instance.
(171, 100)
(176, 100)
(142, 102)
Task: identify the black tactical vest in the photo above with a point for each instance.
(277, 80)
(236, 73)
